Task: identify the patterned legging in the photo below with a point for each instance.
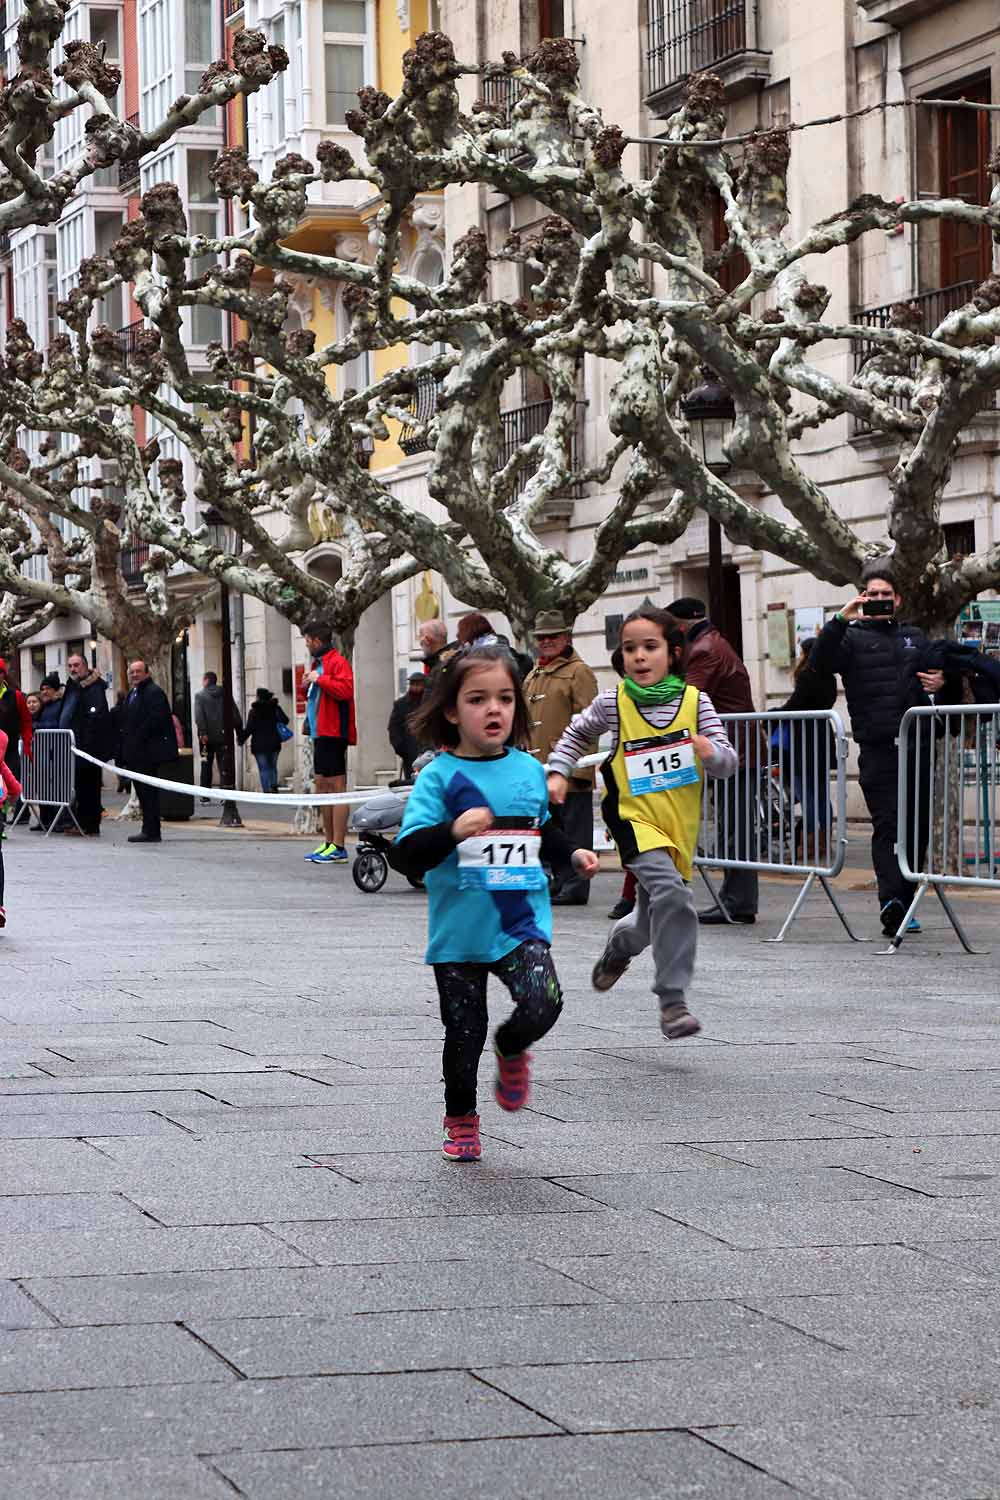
(529, 975)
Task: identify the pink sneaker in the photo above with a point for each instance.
(461, 1138)
(513, 1081)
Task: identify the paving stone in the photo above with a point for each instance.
(83, 1123)
(881, 1223)
(225, 1417)
(953, 1455)
(500, 1159)
(95, 1252)
(652, 1277)
(641, 1466)
(131, 1479)
(805, 1382)
(675, 1190)
(479, 1236)
(461, 1339)
(290, 1292)
(949, 1320)
(40, 1211)
(863, 1155)
(323, 1194)
(982, 1257)
(18, 1310)
(62, 1359)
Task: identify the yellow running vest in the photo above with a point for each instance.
(654, 781)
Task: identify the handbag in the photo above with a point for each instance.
(285, 732)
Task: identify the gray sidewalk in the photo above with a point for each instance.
(756, 1266)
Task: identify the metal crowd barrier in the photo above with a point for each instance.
(786, 807)
(48, 777)
(948, 810)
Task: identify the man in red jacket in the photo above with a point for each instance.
(332, 727)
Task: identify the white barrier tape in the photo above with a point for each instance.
(290, 799)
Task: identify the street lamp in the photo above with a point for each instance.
(224, 537)
(710, 414)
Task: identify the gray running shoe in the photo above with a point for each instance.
(608, 969)
(677, 1022)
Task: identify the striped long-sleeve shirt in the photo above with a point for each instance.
(602, 716)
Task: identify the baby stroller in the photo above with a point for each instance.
(372, 822)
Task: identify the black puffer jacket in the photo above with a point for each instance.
(878, 662)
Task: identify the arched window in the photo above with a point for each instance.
(428, 267)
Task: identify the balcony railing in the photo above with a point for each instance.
(422, 406)
(127, 337)
(934, 306)
(502, 93)
(133, 559)
(231, 9)
(516, 428)
(689, 36)
(524, 422)
(128, 171)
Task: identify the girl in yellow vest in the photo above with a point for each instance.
(667, 737)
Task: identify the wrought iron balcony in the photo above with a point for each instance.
(422, 406)
(133, 559)
(128, 171)
(127, 337)
(231, 9)
(523, 423)
(502, 93)
(934, 305)
(691, 36)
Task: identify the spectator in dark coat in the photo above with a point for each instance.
(148, 744)
(15, 720)
(85, 711)
(261, 729)
(210, 722)
(401, 738)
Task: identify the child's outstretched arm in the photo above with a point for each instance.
(577, 740)
(712, 743)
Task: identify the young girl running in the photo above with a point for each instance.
(10, 790)
(477, 826)
(666, 736)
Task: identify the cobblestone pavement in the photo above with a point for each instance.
(756, 1266)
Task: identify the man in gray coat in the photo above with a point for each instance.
(210, 722)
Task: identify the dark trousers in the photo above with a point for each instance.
(149, 801)
(530, 977)
(878, 772)
(736, 821)
(575, 817)
(88, 796)
(213, 751)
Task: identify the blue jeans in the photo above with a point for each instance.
(812, 792)
(267, 766)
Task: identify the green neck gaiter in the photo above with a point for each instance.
(658, 692)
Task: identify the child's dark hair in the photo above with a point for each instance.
(430, 723)
(662, 619)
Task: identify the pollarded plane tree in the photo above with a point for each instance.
(620, 276)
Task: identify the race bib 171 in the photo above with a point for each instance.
(661, 763)
(507, 857)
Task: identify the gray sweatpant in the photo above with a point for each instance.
(665, 919)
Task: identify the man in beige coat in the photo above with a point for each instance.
(559, 686)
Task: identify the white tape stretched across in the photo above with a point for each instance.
(290, 799)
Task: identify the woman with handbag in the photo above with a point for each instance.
(266, 728)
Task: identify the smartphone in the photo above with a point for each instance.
(878, 607)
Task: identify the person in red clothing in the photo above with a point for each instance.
(332, 728)
(15, 721)
(10, 790)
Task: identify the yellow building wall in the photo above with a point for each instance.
(393, 41)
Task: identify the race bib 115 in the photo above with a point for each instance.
(661, 763)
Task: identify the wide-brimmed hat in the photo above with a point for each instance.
(551, 622)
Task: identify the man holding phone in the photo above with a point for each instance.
(877, 659)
